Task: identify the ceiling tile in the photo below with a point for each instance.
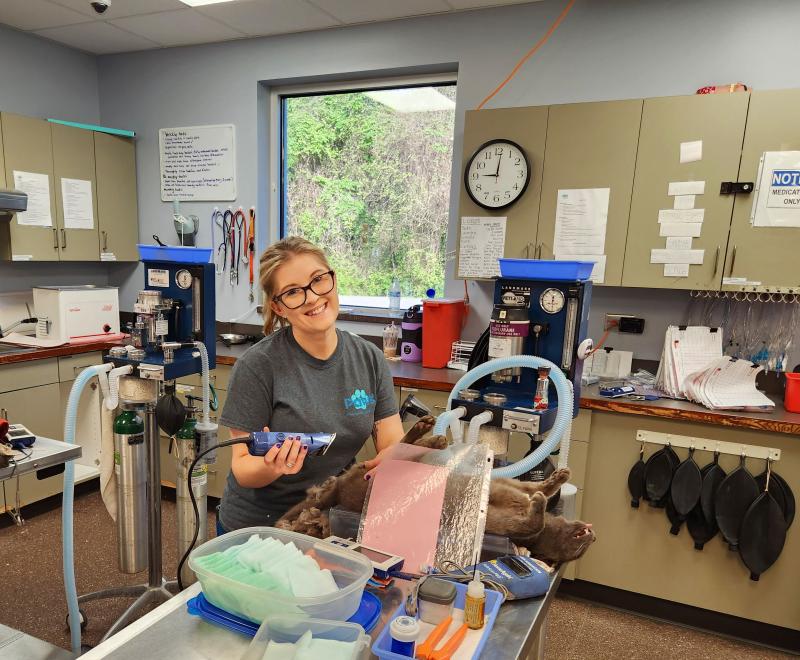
(477, 4)
(121, 8)
(260, 17)
(178, 28)
(97, 37)
(358, 11)
(36, 14)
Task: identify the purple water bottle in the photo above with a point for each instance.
(411, 346)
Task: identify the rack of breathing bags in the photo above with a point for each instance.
(752, 514)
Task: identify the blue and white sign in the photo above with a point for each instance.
(777, 196)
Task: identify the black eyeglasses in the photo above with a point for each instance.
(296, 297)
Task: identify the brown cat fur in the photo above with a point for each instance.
(516, 508)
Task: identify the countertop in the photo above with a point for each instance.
(408, 374)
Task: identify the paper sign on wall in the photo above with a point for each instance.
(680, 229)
(683, 202)
(676, 256)
(691, 151)
(676, 270)
(198, 163)
(76, 198)
(37, 187)
(689, 215)
(679, 243)
(686, 188)
(580, 232)
(777, 195)
(482, 243)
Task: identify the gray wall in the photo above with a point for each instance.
(39, 78)
(606, 49)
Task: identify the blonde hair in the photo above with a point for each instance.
(273, 258)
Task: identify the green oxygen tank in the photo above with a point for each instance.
(130, 468)
(186, 448)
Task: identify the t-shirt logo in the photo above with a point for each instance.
(359, 402)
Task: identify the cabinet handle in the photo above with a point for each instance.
(105, 241)
(527, 250)
(440, 407)
(538, 253)
(733, 261)
(716, 260)
(63, 239)
(55, 238)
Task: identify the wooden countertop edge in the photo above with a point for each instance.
(57, 351)
(230, 360)
(705, 417)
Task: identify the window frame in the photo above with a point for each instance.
(277, 137)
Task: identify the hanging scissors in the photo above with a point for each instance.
(251, 248)
(218, 219)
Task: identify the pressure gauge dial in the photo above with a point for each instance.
(552, 300)
(183, 278)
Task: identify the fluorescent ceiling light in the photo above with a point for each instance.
(201, 3)
(412, 99)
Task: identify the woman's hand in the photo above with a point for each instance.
(286, 457)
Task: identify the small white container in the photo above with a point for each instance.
(351, 571)
(289, 629)
(435, 600)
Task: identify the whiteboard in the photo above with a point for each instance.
(198, 163)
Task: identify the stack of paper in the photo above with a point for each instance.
(728, 384)
(686, 351)
(608, 363)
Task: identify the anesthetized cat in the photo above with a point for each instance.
(516, 508)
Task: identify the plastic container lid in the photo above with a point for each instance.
(437, 591)
(289, 629)
(404, 629)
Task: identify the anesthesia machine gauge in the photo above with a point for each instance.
(552, 300)
(183, 278)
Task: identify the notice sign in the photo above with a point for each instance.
(776, 202)
(784, 189)
(198, 163)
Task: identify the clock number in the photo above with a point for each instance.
(521, 174)
(487, 155)
(474, 175)
(480, 165)
(496, 198)
(478, 186)
(516, 160)
(516, 186)
(508, 194)
(486, 195)
(498, 151)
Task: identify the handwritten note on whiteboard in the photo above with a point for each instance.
(482, 243)
(198, 163)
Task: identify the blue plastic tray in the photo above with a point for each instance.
(179, 254)
(367, 615)
(544, 269)
(494, 599)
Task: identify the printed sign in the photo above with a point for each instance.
(784, 189)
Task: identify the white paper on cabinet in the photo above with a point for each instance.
(777, 196)
(689, 215)
(680, 229)
(676, 270)
(658, 256)
(37, 187)
(76, 198)
(679, 243)
(686, 188)
(691, 151)
(683, 202)
(482, 243)
(581, 217)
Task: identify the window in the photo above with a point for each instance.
(366, 174)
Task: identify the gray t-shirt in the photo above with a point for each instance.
(277, 384)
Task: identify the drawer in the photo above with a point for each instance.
(21, 375)
(38, 408)
(70, 366)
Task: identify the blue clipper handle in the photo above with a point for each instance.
(262, 441)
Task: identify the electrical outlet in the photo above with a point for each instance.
(624, 323)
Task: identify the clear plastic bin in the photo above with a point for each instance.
(288, 629)
(350, 570)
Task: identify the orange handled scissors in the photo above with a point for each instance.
(451, 645)
(426, 649)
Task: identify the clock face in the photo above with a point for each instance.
(183, 278)
(552, 300)
(497, 174)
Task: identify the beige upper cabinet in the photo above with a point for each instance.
(73, 159)
(528, 128)
(115, 159)
(718, 120)
(591, 145)
(2, 158)
(767, 255)
(27, 147)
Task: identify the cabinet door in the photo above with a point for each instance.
(528, 128)
(73, 158)
(118, 218)
(765, 254)
(716, 119)
(592, 145)
(27, 147)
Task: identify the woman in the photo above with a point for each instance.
(304, 376)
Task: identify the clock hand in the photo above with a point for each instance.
(497, 172)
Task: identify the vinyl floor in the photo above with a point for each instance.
(32, 594)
